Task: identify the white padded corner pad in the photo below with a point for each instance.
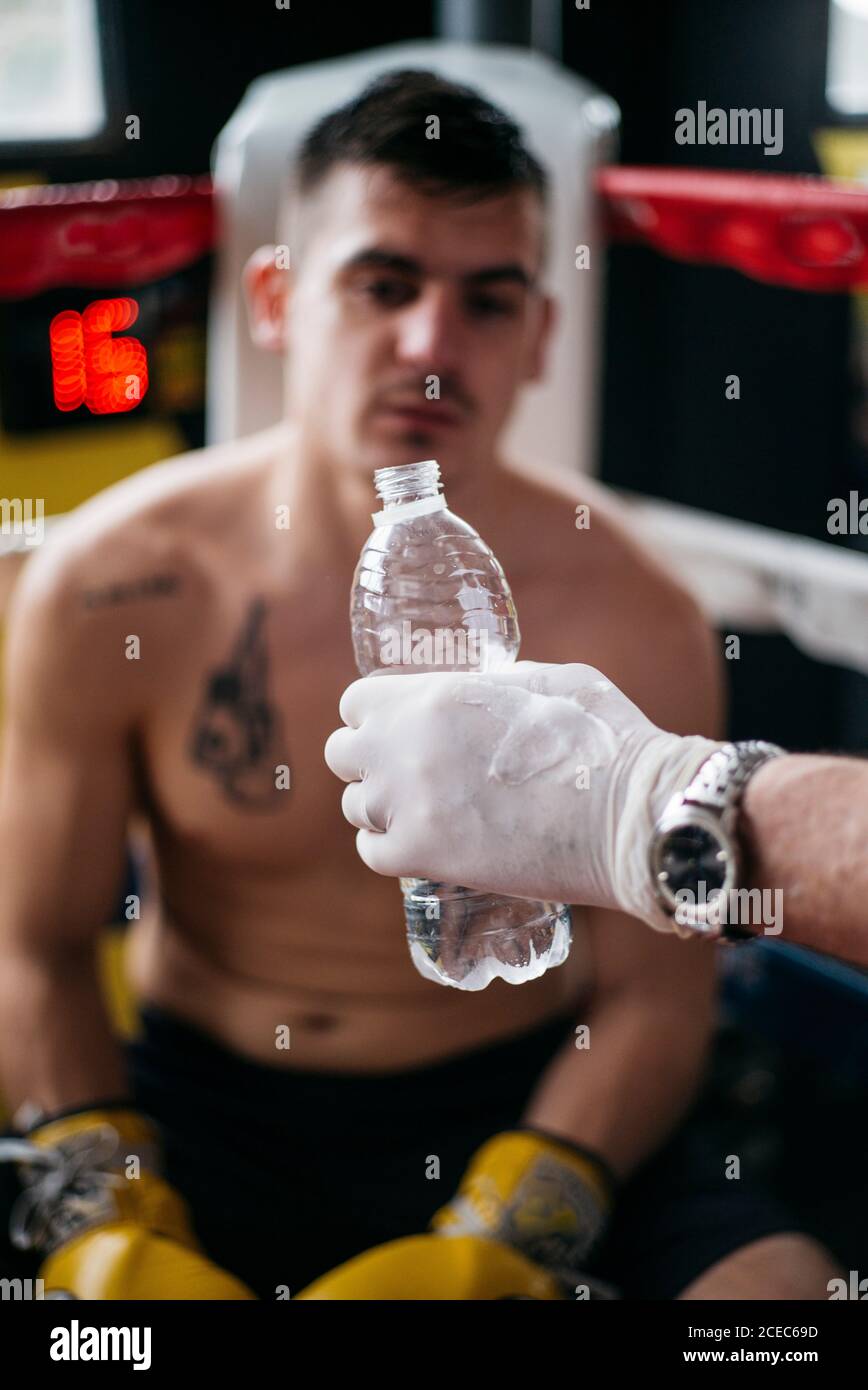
(760, 580)
(404, 510)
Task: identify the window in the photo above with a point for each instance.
(51, 81)
(847, 62)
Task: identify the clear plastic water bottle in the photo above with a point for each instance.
(428, 595)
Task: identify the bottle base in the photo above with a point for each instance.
(466, 940)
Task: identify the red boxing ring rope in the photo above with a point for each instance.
(799, 231)
(107, 233)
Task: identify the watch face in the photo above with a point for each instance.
(690, 856)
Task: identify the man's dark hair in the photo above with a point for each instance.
(479, 151)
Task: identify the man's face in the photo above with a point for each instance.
(412, 320)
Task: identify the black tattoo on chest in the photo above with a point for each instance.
(238, 733)
(152, 586)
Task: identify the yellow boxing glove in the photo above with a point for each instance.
(109, 1228)
(526, 1216)
(424, 1267)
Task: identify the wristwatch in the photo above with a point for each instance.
(695, 858)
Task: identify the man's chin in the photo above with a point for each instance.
(378, 451)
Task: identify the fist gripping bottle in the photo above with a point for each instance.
(428, 595)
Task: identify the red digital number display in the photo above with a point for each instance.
(89, 366)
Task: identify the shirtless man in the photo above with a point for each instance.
(177, 653)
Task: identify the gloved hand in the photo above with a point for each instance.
(538, 781)
(527, 1214)
(105, 1235)
(426, 1267)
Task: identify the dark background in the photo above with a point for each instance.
(672, 332)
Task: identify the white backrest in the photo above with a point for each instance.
(568, 125)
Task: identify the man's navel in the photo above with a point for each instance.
(317, 1023)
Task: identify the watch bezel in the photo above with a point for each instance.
(701, 917)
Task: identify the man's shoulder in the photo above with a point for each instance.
(592, 535)
(180, 494)
(618, 606)
(145, 537)
(152, 517)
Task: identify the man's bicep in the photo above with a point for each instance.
(62, 842)
(685, 692)
(630, 957)
(65, 790)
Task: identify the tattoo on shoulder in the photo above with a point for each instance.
(152, 586)
(238, 735)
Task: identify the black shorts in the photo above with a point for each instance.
(289, 1173)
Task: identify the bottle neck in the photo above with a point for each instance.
(408, 483)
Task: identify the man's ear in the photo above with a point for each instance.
(543, 333)
(266, 279)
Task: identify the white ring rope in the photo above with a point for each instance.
(756, 579)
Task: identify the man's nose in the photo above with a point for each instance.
(430, 330)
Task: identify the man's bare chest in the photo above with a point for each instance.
(232, 758)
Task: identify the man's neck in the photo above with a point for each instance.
(331, 505)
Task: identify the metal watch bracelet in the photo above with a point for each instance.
(711, 800)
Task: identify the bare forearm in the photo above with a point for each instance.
(622, 1095)
(57, 1048)
(805, 830)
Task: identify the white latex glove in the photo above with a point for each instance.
(535, 781)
